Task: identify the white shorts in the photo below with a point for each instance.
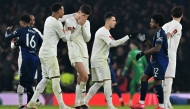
(50, 67)
(19, 65)
(171, 69)
(100, 73)
(85, 61)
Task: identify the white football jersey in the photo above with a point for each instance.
(53, 31)
(175, 29)
(101, 47)
(77, 46)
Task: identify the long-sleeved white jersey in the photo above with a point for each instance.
(175, 29)
(77, 41)
(53, 31)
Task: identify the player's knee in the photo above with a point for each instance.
(144, 78)
(157, 82)
(84, 78)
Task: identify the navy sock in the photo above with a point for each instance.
(159, 93)
(29, 90)
(117, 90)
(143, 90)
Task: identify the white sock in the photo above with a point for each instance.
(93, 89)
(82, 91)
(20, 91)
(34, 88)
(162, 106)
(141, 102)
(108, 92)
(57, 91)
(39, 89)
(167, 87)
(77, 97)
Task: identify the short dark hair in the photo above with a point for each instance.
(25, 18)
(30, 14)
(56, 7)
(86, 9)
(108, 15)
(177, 11)
(158, 18)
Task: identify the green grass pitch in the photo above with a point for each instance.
(126, 107)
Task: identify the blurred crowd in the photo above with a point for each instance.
(131, 15)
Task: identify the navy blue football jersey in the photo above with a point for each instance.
(162, 56)
(29, 37)
(110, 59)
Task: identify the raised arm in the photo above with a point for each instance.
(142, 38)
(115, 43)
(66, 17)
(61, 32)
(9, 35)
(86, 31)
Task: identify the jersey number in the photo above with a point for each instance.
(156, 72)
(30, 42)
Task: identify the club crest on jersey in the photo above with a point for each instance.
(174, 32)
(159, 38)
(111, 37)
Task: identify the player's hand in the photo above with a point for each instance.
(81, 21)
(133, 34)
(139, 55)
(9, 28)
(142, 37)
(71, 29)
(18, 43)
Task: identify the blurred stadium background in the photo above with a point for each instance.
(131, 15)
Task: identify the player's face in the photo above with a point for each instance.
(32, 20)
(131, 46)
(112, 22)
(61, 12)
(153, 24)
(83, 15)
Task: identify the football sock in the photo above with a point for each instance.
(77, 97)
(57, 91)
(29, 90)
(167, 86)
(143, 91)
(39, 89)
(34, 88)
(20, 91)
(82, 91)
(93, 89)
(160, 95)
(108, 92)
(117, 90)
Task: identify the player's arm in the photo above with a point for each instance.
(128, 63)
(158, 45)
(115, 43)
(76, 30)
(66, 17)
(61, 32)
(172, 31)
(13, 43)
(38, 32)
(142, 38)
(9, 35)
(86, 31)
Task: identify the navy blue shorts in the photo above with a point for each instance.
(156, 70)
(113, 76)
(28, 70)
